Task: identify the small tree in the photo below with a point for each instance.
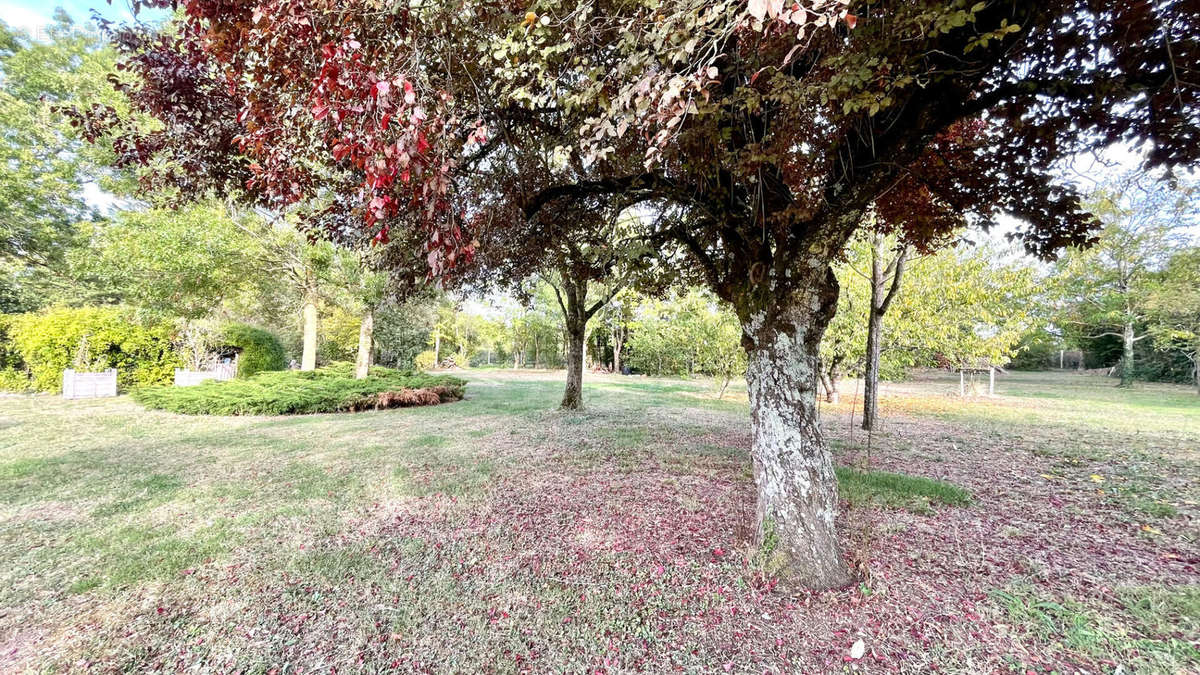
(1106, 289)
(958, 306)
(617, 316)
(1173, 308)
(887, 274)
(171, 262)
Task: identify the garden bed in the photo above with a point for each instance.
(329, 389)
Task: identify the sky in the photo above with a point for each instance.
(32, 16)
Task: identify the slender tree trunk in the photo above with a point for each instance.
(871, 372)
(366, 345)
(793, 470)
(617, 344)
(829, 382)
(1127, 356)
(882, 294)
(308, 356)
(874, 326)
(1196, 369)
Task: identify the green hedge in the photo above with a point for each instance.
(39, 346)
(13, 376)
(261, 349)
(291, 392)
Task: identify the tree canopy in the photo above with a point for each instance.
(764, 133)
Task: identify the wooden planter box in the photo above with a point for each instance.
(187, 378)
(89, 385)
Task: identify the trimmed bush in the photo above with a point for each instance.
(261, 350)
(90, 339)
(292, 392)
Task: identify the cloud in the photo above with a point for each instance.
(23, 18)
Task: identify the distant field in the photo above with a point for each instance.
(1058, 533)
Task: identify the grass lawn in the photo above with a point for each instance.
(1050, 529)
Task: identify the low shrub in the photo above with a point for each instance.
(15, 380)
(261, 350)
(424, 360)
(88, 339)
(293, 392)
(13, 375)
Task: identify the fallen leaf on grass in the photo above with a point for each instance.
(858, 649)
(1151, 530)
(1097, 478)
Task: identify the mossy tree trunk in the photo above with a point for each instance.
(793, 469)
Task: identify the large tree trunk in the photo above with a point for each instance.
(308, 356)
(1127, 344)
(366, 345)
(793, 470)
(572, 301)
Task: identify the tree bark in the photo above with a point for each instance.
(793, 470)
(573, 394)
(572, 299)
(437, 347)
(830, 383)
(1127, 343)
(308, 356)
(366, 344)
